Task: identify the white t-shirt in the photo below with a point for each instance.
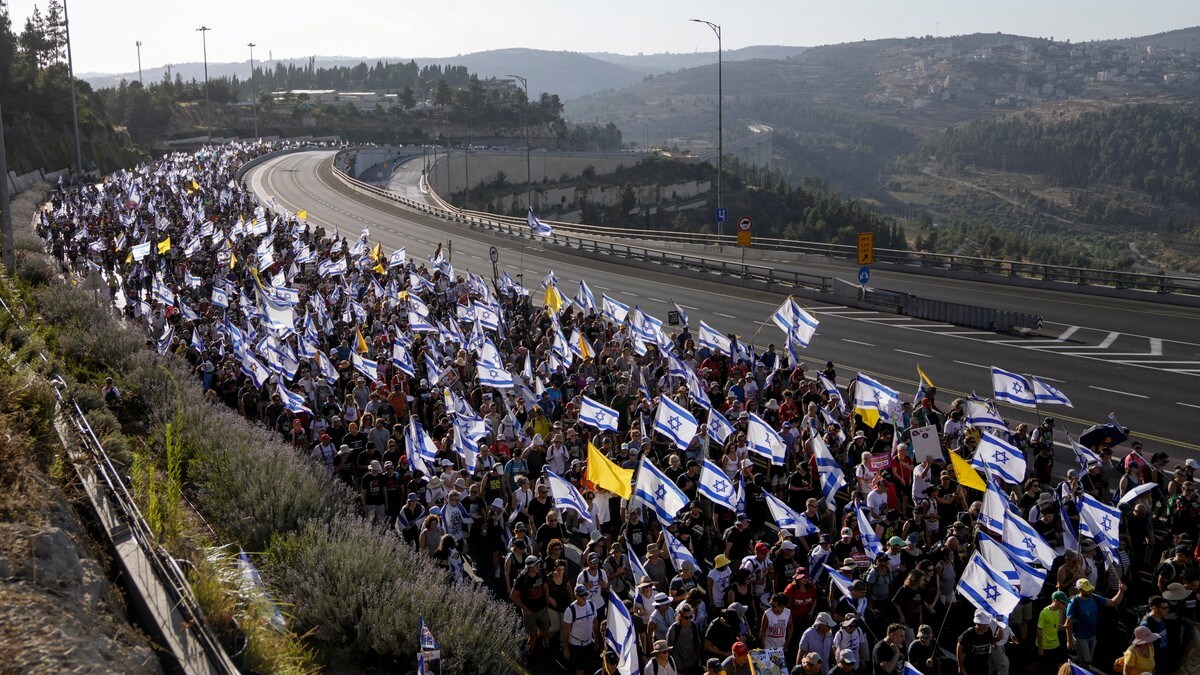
(582, 620)
(776, 635)
(720, 583)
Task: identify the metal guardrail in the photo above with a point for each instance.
(164, 566)
(518, 229)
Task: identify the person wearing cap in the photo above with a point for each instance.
(661, 662)
(593, 578)
(974, 648)
(1082, 613)
(713, 667)
(1052, 620)
(371, 494)
(610, 663)
(847, 662)
(818, 638)
(530, 595)
(1155, 621)
(580, 632)
(852, 637)
(1139, 657)
(923, 651)
(324, 451)
(801, 593)
(1183, 511)
(810, 664)
(722, 632)
(739, 538)
(1179, 567)
(683, 582)
(761, 571)
(738, 661)
(718, 581)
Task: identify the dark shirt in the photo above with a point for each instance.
(977, 650)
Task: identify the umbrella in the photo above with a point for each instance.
(1109, 434)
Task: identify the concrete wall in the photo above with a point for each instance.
(543, 166)
(18, 184)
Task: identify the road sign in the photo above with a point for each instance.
(744, 224)
(744, 238)
(864, 275)
(493, 254)
(672, 317)
(866, 248)
(722, 215)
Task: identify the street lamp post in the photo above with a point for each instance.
(203, 30)
(716, 28)
(525, 121)
(139, 48)
(253, 88)
(74, 109)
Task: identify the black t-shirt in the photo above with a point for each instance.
(721, 635)
(919, 653)
(883, 653)
(372, 485)
(532, 590)
(741, 540)
(977, 650)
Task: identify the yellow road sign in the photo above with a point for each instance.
(866, 248)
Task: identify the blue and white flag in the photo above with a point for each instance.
(362, 364)
(397, 257)
(1083, 454)
(220, 297)
(995, 508)
(841, 581)
(402, 360)
(619, 636)
(713, 339)
(678, 552)
(1013, 388)
(197, 343)
(1023, 577)
(682, 314)
(597, 415)
(254, 369)
(873, 398)
(291, 400)
(866, 530)
(910, 669)
(1070, 536)
(788, 519)
(1047, 394)
(675, 422)
(658, 492)
(829, 471)
(719, 428)
(165, 340)
(765, 441)
(538, 227)
(982, 415)
(987, 589)
(422, 451)
(566, 496)
(330, 268)
(325, 365)
(584, 299)
(494, 377)
(1099, 521)
(1002, 457)
(1023, 541)
(796, 322)
(612, 310)
(715, 485)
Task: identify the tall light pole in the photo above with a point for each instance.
(716, 28)
(253, 87)
(74, 110)
(203, 30)
(525, 121)
(139, 48)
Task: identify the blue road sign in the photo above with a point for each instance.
(722, 215)
(864, 275)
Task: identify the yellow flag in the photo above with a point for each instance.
(195, 185)
(585, 350)
(129, 258)
(379, 268)
(232, 260)
(966, 473)
(552, 300)
(870, 416)
(302, 214)
(360, 345)
(604, 473)
(164, 246)
(377, 252)
(924, 377)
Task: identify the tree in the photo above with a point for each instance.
(407, 100)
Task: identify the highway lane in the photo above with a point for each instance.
(1156, 403)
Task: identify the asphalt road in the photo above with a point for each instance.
(1128, 358)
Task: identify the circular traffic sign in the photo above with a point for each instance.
(494, 254)
(864, 275)
(744, 224)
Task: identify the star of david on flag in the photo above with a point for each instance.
(597, 415)
(675, 422)
(1013, 388)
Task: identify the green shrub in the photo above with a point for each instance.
(86, 333)
(352, 587)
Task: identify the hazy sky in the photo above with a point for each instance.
(103, 33)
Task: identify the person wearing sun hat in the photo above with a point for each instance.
(661, 662)
(1139, 657)
(1082, 613)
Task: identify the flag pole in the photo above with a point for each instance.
(1036, 409)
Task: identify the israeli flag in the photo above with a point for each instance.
(494, 377)
(1046, 393)
(291, 400)
(1024, 542)
(598, 415)
(1099, 521)
(619, 636)
(715, 485)
(841, 581)
(583, 298)
(220, 298)
(995, 510)
(422, 451)
(1083, 454)
(397, 257)
(536, 226)
(658, 492)
(402, 360)
(366, 366)
(675, 422)
(830, 472)
(254, 369)
(765, 441)
(197, 343)
(682, 314)
(1026, 579)
(679, 553)
(987, 589)
(794, 321)
(1004, 459)
(787, 518)
(866, 530)
(981, 415)
(330, 268)
(613, 310)
(566, 496)
(1013, 388)
(719, 428)
(1070, 536)
(164, 340)
(714, 340)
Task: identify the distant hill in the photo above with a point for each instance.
(653, 64)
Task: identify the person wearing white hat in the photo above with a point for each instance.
(974, 648)
(818, 638)
(660, 619)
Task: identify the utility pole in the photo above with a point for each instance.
(74, 109)
(253, 88)
(525, 120)
(6, 206)
(203, 30)
(716, 28)
(139, 48)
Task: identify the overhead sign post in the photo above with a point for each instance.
(866, 248)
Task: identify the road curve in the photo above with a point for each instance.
(1148, 380)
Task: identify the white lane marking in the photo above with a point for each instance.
(865, 344)
(1104, 344)
(1115, 391)
(632, 295)
(603, 288)
(974, 365)
(1187, 405)
(905, 351)
(1067, 333)
(1130, 361)
(727, 316)
(654, 299)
